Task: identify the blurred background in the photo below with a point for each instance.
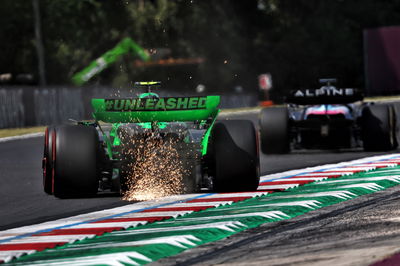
(56, 55)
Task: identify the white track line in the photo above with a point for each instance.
(389, 158)
(20, 137)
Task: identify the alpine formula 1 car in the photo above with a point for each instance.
(151, 136)
(328, 117)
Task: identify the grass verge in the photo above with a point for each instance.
(10, 132)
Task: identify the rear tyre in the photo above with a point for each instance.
(76, 159)
(274, 130)
(378, 124)
(234, 155)
(47, 160)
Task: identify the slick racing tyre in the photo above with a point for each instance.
(378, 125)
(76, 153)
(235, 162)
(48, 160)
(274, 130)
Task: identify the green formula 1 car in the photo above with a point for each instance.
(127, 133)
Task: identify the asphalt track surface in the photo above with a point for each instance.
(23, 201)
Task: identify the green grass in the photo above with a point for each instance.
(240, 109)
(9, 132)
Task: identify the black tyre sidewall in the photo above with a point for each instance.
(235, 159)
(76, 161)
(378, 128)
(274, 130)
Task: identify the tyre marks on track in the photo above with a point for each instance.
(171, 225)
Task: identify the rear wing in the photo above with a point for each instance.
(325, 95)
(164, 109)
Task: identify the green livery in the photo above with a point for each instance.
(202, 110)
